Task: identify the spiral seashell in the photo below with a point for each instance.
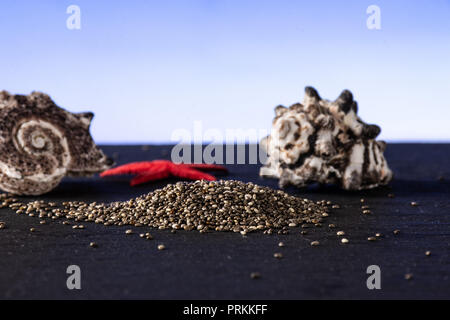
(40, 143)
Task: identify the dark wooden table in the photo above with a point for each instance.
(217, 265)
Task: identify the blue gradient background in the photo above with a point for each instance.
(147, 68)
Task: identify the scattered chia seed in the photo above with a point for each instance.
(408, 276)
(93, 245)
(340, 233)
(148, 236)
(372, 238)
(281, 244)
(255, 275)
(428, 253)
(161, 247)
(396, 232)
(278, 255)
(2, 225)
(344, 240)
(414, 204)
(315, 243)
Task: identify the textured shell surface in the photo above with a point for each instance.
(40, 143)
(325, 142)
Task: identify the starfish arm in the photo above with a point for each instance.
(130, 168)
(205, 166)
(183, 172)
(146, 177)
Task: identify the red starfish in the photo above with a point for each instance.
(160, 169)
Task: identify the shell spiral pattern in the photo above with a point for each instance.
(41, 143)
(326, 142)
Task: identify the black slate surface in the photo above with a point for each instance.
(217, 265)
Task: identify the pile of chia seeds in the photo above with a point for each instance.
(225, 205)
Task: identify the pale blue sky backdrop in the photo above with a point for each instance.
(147, 68)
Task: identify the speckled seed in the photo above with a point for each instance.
(281, 244)
(414, 204)
(408, 276)
(75, 227)
(32, 229)
(2, 225)
(335, 206)
(371, 238)
(303, 232)
(292, 225)
(278, 255)
(255, 275)
(340, 233)
(315, 243)
(80, 226)
(42, 222)
(367, 212)
(378, 235)
(396, 231)
(331, 226)
(129, 231)
(142, 235)
(93, 244)
(428, 253)
(344, 240)
(161, 247)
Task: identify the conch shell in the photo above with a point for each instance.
(325, 142)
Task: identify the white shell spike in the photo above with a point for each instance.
(40, 143)
(326, 142)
